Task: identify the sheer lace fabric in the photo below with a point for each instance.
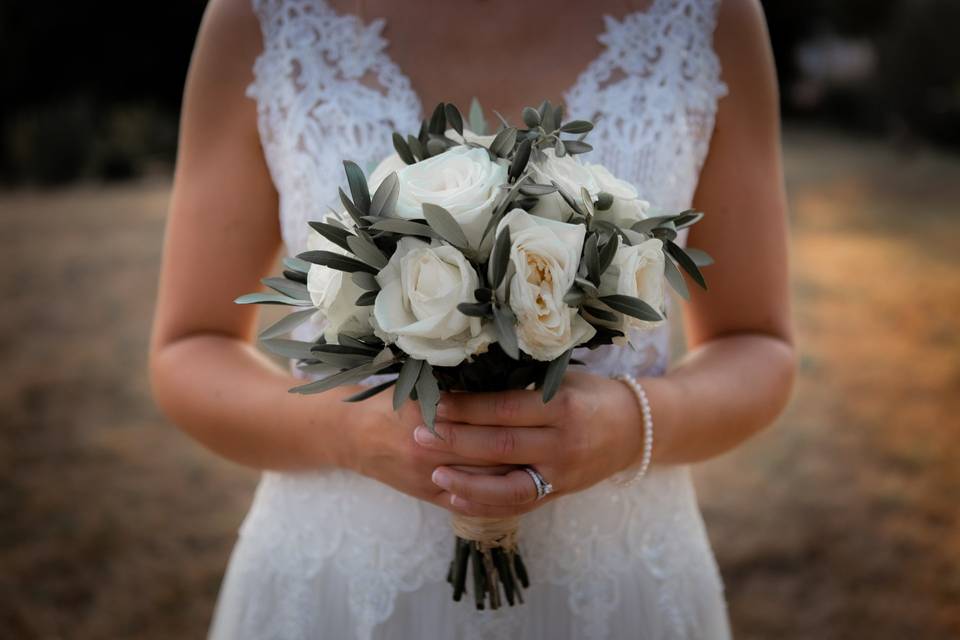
(332, 554)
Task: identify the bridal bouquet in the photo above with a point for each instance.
(468, 262)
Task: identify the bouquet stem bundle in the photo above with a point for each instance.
(488, 547)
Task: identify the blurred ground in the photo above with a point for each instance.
(841, 522)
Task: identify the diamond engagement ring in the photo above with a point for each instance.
(544, 488)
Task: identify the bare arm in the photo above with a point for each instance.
(738, 374)
(222, 236)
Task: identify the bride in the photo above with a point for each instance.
(348, 534)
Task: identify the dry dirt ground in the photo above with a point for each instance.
(839, 522)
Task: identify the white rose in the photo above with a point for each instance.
(637, 271)
(627, 206)
(416, 308)
(335, 294)
(570, 175)
(462, 180)
(387, 166)
(546, 255)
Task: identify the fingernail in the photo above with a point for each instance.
(458, 502)
(443, 410)
(441, 478)
(423, 436)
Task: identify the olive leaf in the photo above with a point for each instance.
(604, 201)
(349, 342)
(520, 159)
(336, 261)
(631, 306)
(675, 278)
(369, 392)
(404, 227)
(366, 251)
(349, 376)
(367, 299)
(333, 233)
(444, 224)
(287, 287)
(416, 148)
(438, 120)
(428, 395)
(283, 347)
(591, 258)
(609, 252)
(358, 186)
(287, 323)
(475, 309)
(505, 323)
(385, 198)
(531, 117)
(534, 189)
(271, 298)
(700, 258)
(364, 280)
(574, 147)
(686, 262)
(504, 142)
(406, 381)
(687, 218)
(553, 377)
(352, 209)
(296, 264)
(577, 126)
(478, 123)
(403, 149)
(600, 314)
(454, 119)
(500, 257)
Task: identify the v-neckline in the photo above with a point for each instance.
(380, 23)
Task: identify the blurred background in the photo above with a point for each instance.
(839, 522)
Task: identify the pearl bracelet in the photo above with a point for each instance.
(639, 470)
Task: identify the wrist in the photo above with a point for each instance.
(647, 412)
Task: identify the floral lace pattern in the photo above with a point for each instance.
(335, 554)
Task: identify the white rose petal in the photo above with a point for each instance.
(462, 180)
(416, 308)
(335, 294)
(570, 175)
(389, 165)
(627, 206)
(546, 256)
(637, 271)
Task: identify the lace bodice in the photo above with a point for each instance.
(327, 89)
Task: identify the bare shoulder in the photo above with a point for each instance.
(742, 43)
(228, 42)
(227, 45)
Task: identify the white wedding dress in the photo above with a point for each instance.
(335, 555)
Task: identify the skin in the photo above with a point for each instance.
(211, 381)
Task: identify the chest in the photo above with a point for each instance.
(330, 87)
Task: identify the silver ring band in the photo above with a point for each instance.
(544, 488)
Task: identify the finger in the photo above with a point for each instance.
(510, 489)
(512, 445)
(456, 504)
(517, 408)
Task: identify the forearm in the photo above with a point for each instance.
(718, 395)
(232, 399)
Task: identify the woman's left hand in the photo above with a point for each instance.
(590, 430)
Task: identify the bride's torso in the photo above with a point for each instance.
(328, 90)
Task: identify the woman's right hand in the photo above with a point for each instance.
(381, 446)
